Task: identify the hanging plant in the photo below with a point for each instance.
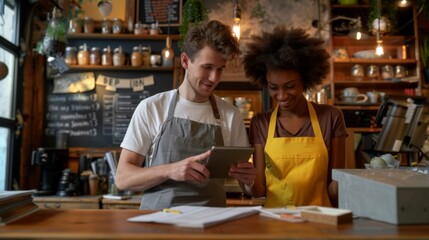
(193, 12)
(54, 41)
(388, 16)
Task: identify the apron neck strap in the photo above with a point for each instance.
(213, 103)
(313, 118)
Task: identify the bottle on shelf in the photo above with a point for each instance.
(117, 26)
(118, 57)
(107, 58)
(106, 26)
(88, 25)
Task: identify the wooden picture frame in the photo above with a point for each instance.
(152, 11)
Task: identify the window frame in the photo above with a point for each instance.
(13, 48)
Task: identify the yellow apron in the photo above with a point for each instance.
(296, 167)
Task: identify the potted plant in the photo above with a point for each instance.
(55, 38)
(54, 41)
(194, 11)
(388, 16)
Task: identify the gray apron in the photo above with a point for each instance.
(181, 138)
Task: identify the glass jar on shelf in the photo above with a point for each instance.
(387, 72)
(136, 57)
(400, 71)
(141, 29)
(107, 58)
(146, 51)
(372, 71)
(117, 26)
(88, 25)
(83, 55)
(106, 26)
(70, 56)
(74, 26)
(95, 57)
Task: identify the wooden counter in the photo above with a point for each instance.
(57, 202)
(112, 224)
(98, 202)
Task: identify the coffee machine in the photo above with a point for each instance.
(404, 121)
(52, 161)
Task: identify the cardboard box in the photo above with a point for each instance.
(397, 196)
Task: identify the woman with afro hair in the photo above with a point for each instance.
(298, 143)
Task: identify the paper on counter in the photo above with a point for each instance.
(197, 217)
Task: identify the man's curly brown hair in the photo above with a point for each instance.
(286, 49)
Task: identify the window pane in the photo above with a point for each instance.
(7, 85)
(8, 22)
(4, 146)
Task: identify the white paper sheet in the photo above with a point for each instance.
(197, 217)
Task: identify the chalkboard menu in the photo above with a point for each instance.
(162, 11)
(95, 118)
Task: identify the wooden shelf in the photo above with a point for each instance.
(98, 36)
(351, 6)
(358, 107)
(113, 68)
(375, 61)
(364, 130)
(350, 82)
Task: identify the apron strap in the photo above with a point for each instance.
(272, 124)
(172, 104)
(216, 113)
(313, 118)
(213, 103)
(314, 121)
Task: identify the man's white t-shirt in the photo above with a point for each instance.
(152, 112)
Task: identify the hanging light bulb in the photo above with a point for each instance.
(404, 3)
(379, 51)
(236, 15)
(167, 53)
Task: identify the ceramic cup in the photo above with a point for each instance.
(352, 95)
(373, 97)
(155, 60)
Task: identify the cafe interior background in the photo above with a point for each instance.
(77, 109)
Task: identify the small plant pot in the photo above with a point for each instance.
(52, 47)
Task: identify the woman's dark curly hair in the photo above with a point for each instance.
(286, 49)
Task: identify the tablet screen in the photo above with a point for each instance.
(222, 158)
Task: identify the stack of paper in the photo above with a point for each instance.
(196, 217)
(283, 214)
(15, 205)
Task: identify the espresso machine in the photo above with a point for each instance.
(52, 162)
(404, 121)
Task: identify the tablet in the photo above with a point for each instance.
(222, 158)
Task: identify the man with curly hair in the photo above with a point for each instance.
(298, 143)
